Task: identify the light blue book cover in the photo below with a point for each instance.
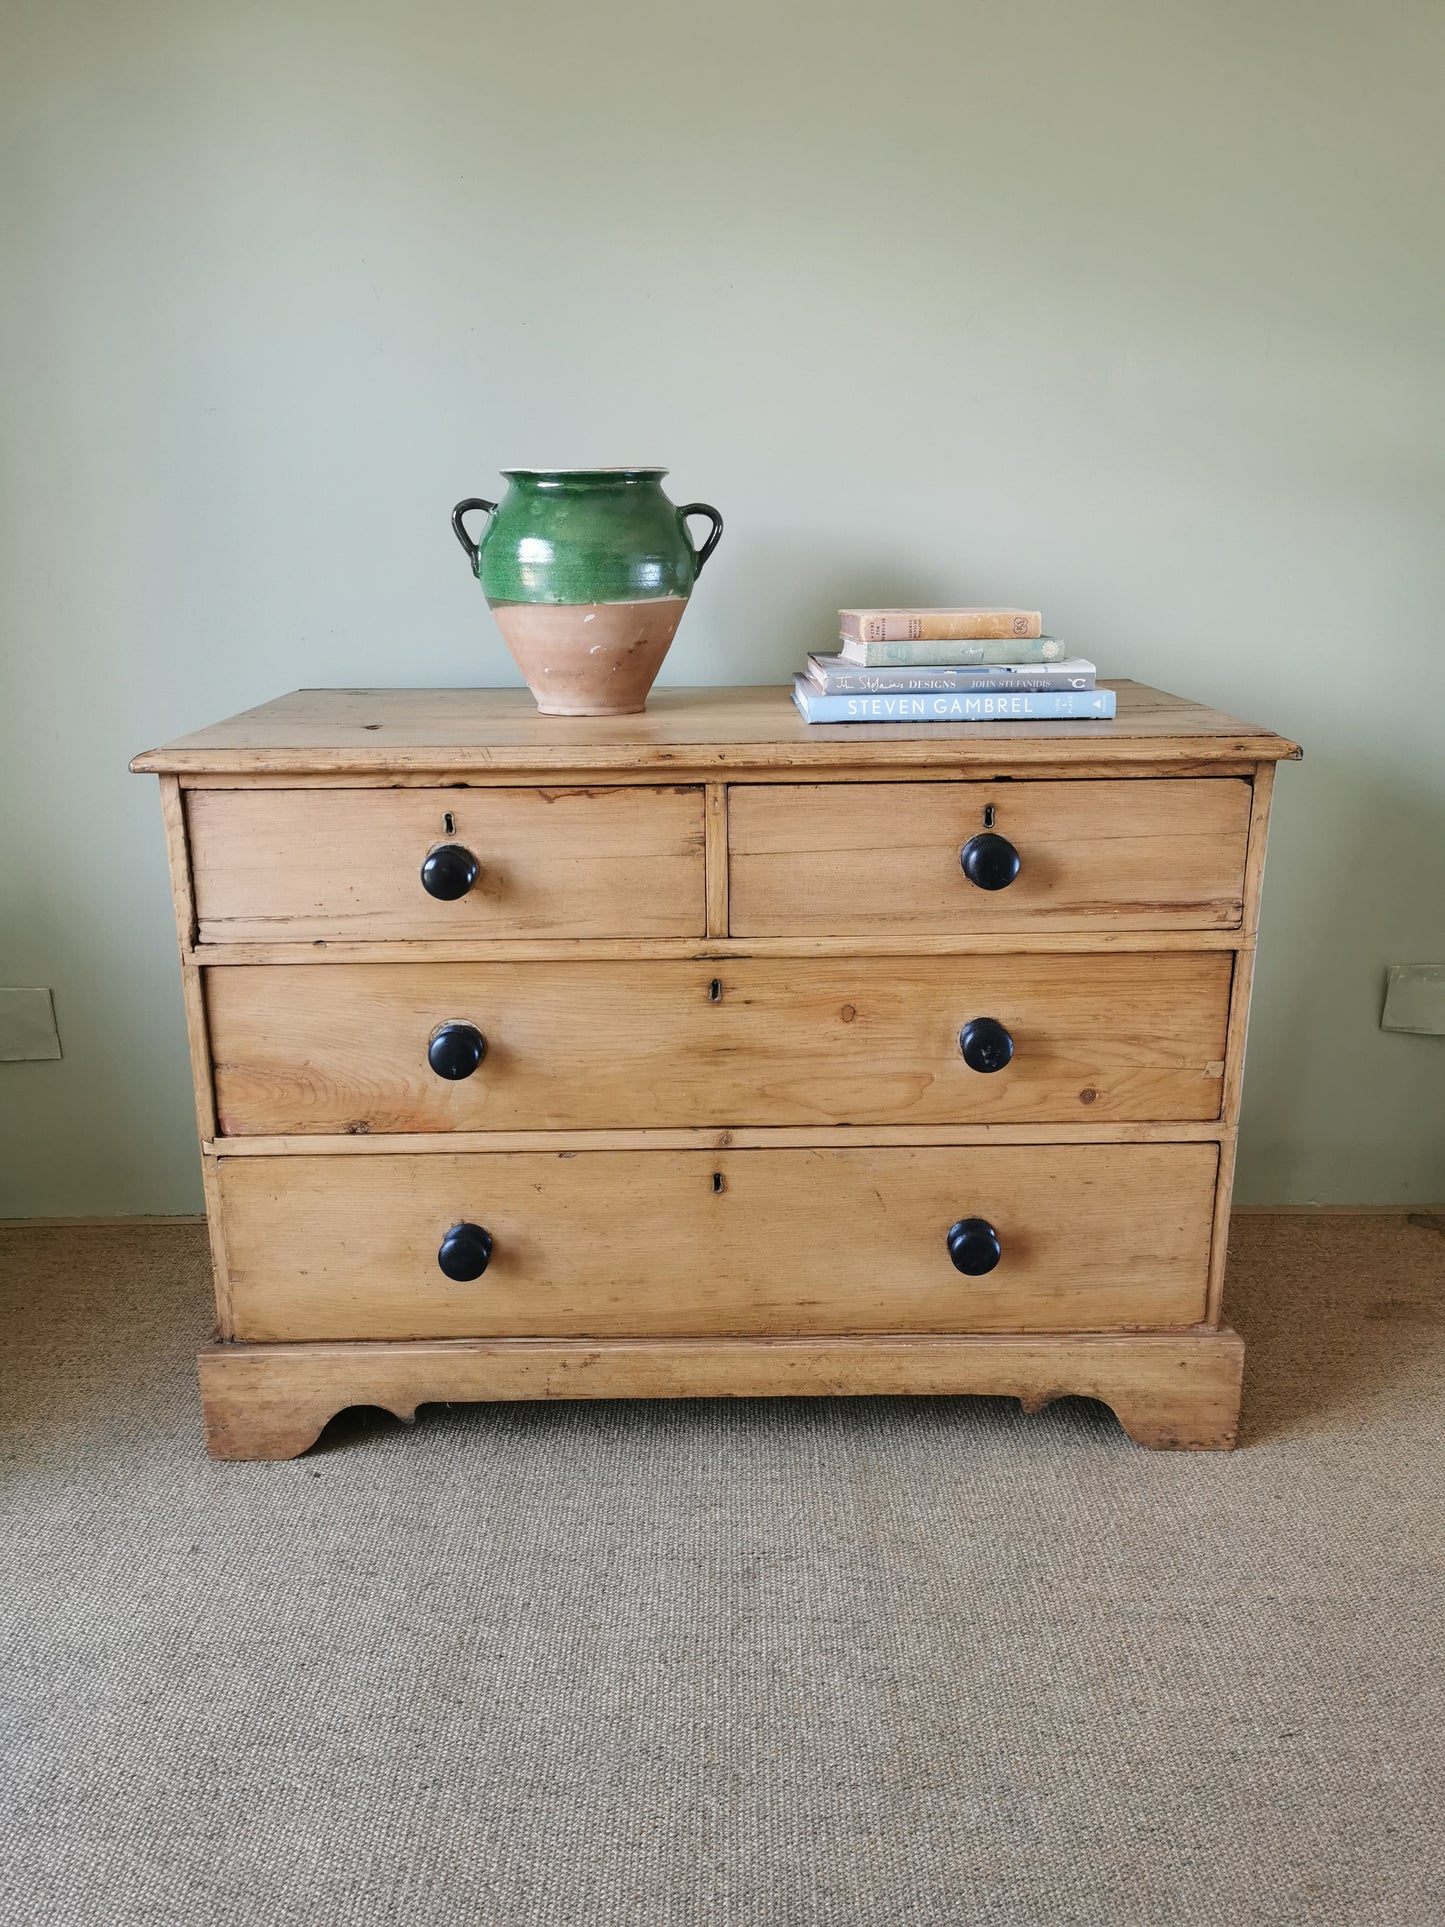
(1023, 706)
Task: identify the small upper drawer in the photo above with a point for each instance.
(858, 859)
(308, 865)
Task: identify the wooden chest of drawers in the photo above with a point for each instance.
(703, 1053)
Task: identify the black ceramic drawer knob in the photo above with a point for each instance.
(989, 860)
(973, 1246)
(985, 1044)
(449, 872)
(456, 1050)
(465, 1252)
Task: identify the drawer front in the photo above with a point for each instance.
(860, 859)
(346, 1047)
(309, 865)
(1095, 1237)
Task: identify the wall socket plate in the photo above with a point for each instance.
(1415, 999)
(27, 1026)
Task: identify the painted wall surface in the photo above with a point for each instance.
(1132, 311)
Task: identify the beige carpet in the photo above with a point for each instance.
(619, 1666)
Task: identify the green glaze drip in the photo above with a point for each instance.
(585, 535)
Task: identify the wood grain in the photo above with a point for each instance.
(741, 1137)
(856, 1041)
(1261, 796)
(978, 943)
(319, 731)
(318, 864)
(626, 1242)
(823, 859)
(703, 766)
(198, 1043)
(197, 1038)
(1179, 1390)
(1240, 991)
(716, 805)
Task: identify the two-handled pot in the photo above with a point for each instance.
(588, 571)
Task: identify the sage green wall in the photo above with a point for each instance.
(1131, 309)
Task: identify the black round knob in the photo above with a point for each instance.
(456, 1050)
(989, 860)
(985, 1044)
(973, 1246)
(449, 872)
(465, 1252)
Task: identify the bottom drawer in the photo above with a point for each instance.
(1092, 1237)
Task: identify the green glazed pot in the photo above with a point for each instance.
(588, 571)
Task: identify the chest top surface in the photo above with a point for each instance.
(379, 731)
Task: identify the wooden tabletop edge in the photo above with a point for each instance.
(673, 756)
(707, 728)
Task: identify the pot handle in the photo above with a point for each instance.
(700, 555)
(459, 527)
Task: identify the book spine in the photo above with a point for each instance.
(951, 655)
(1048, 706)
(943, 682)
(938, 625)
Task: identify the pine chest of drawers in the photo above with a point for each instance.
(705, 1053)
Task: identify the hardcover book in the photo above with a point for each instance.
(925, 653)
(937, 625)
(988, 707)
(836, 676)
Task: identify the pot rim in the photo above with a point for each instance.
(631, 469)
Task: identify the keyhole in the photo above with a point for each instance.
(988, 816)
(714, 996)
(717, 1180)
(449, 824)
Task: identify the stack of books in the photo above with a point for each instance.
(948, 666)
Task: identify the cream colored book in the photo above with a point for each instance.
(937, 625)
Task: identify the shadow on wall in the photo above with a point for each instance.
(1316, 1020)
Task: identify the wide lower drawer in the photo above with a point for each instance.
(856, 859)
(331, 1048)
(328, 864)
(1093, 1237)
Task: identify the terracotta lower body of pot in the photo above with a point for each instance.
(590, 658)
